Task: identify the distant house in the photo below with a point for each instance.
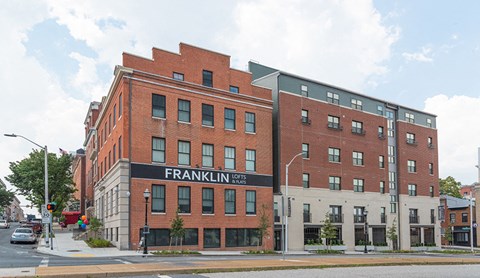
(456, 218)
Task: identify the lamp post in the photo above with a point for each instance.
(146, 195)
(45, 150)
(285, 245)
(365, 212)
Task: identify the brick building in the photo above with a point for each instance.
(196, 134)
(91, 151)
(79, 176)
(456, 218)
(364, 160)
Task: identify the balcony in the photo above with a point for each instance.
(358, 131)
(414, 219)
(383, 218)
(306, 121)
(381, 136)
(276, 218)
(336, 218)
(411, 141)
(358, 218)
(431, 146)
(307, 217)
(335, 126)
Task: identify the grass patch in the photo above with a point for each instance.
(174, 252)
(328, 252)
(399, 251)
(259, 252)
(98, 243)
(462, 252)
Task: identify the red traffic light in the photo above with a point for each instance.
(51, 207)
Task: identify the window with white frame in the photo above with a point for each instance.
(305, 151)
(306, 180)
(412, 190)
(250, 160)
(357, 158)
(333, 154)
(412, 166)
(158, 150)
(357, 127)
(207, 155)
(230, 158)
(184, 110)
(334, 183)
(333, 98)
(304, 90)
(333, 122)
(409, 117)
(411, 138)
(358, 185)
(183, 153)
(356, 104)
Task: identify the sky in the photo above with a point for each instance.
(58, 56)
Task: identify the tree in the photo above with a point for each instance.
(263, 225)
(94, 225)
(450, 186)
(6, 198)
(448, 235)
(28, 176)
(328, 231)
(177, 231)
(392, 234)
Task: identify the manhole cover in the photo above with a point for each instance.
(73, 250)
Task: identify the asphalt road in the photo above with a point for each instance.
(17, 255)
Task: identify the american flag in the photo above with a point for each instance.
(62, 151)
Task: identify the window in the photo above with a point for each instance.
(230, 158)
(393, 208)
(190, 237)
(229, 119)
(431, 191)
(307, 216)
(211, 238)
(334, 183)
(250, 160)
(358, 185)
(184, 199)
(429, 122)
(430, 142)
(381, 161)
(251, 202)
(391, 154)
(333, 155)
(333, 122)
(184, 110)
(230, 207)
(336, 214)
(432, 216)
(332, 98)
(412, 190)
(158, 198)
(356, 104)
(178, 76)
(305, 151)
(183, 153)
(207, 115)
(249, 122)
(120, 147)
(241, 237)
(452, 218)
(357, 127)
(158, 106)
(304, 90)
(207, 78)
(358, 213)
(392, 179)
(114, 153)
(234, 89)
(207, 155)
(382, 187)
(430, 168)
(305, 119)
(357, 158)
(109, 124)
(380, 110)
(207, 201)
(158, 149)
(412, 166)
(410, 118)
(115, 115)
(411, 138)
(464, 217)
(381, 133)
(306, 180)
(413, 213)
(109, 159)
(120, 105)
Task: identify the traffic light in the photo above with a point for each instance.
(51, 207)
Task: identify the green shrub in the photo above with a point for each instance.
(329, 252)
(380, 244)
(174, 252)
(259, 252)
(98, 243)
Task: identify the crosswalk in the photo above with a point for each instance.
(44, 262)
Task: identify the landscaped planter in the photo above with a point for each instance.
(381, 248)
(338, 247)
(362, 247)
(315, 247)
(425, 248)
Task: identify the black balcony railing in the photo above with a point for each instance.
(335, 126)
(411, 141)
(306, 121)
(383, 218)
(358, 218)
(276, 218)
(307, 217)
(381, 136)
(358, 131)
(414, 219)
(432, 219)
(336, 218)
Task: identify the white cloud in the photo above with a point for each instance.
(422, 56)
(458, 131)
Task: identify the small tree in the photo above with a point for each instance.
(392, 234)
(177, 229)
(329, 231)
(95, 225)
(448, 235)
(263, 225)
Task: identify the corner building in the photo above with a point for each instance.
(365, 163)
(195, 133)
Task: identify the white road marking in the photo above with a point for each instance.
(163, 276)
(122, 261)
(44, 262)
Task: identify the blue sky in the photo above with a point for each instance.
(58, 56)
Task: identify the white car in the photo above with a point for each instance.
(24, 235)
(4, 224)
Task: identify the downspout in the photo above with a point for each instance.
(129, 160)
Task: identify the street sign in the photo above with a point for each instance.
(45, 215)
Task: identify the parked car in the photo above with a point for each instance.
(23, 235)
(36, 227)
(4, 224)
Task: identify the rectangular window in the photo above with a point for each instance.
(382, 187)
(230, 200)
(356, 104)
(393, 207)
(242, 237)
(305, 150)
(250, 160)
(183, 153)
(333, 122)
(431, 191)
(411, 138)
(452, 218)
(190, 237)
(207, 78)
(409, 117)
(358, 185)
(178, 76)
(184, 110)
(229, 119)
(250, 122)
(307, 216)
(230, 158)
(120, 147)
(211, 238)
(464, 217)
(357, 127)
(429, 122)
(184, 199)
(412, 166)
(304, 90)
(120, 105)
(109, 124)
(305, 119)
(430, 142)
(207, 201)
(333, 155)
(207, 115)
(251, 202)
(381, 132)
(234, 89)
(115, 115)
(333, 98)
(414, 216)
(207, 155)
(391, 154)
(158, 106)
(380, 110)
(357, 158)
(381, 161)
(334, 183)
(158, 150)
(158, 198)
(430, 168)
(306, 180)
(412, 190)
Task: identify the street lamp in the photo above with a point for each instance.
(146, 195)
(285, 245)
(365, 212)
(45, 150)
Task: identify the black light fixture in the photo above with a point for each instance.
(365, 213)
(146, 195)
